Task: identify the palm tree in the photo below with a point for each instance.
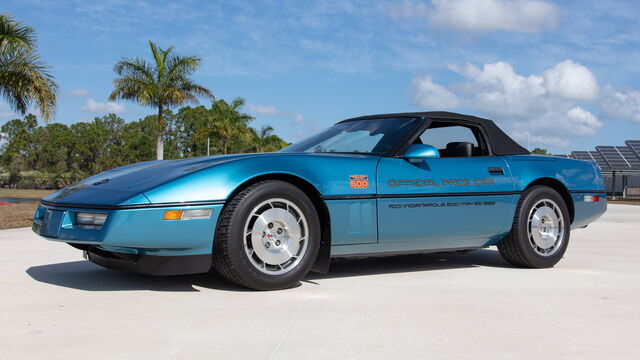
(227, 123)
(163, 84)
(24, 78)
(266, 141)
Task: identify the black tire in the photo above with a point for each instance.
(229, 256)
(517, 247)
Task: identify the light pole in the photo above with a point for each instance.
(208, 145)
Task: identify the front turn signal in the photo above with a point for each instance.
(173, 215)
(190, 214)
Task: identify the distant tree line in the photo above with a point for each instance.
(540, 151)
(54, 155)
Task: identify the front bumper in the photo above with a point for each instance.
(137, 240)
(148, 264)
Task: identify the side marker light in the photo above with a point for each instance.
(591, 198)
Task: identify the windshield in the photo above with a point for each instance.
(372, 136)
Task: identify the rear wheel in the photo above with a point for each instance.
(267, 237)
(540, 232)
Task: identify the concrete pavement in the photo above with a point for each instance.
(55, 305)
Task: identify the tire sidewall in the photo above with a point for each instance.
(249, 273)
(531, 198)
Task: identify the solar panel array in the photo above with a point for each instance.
(629, 156)
(634, 145)
(582, 155)
(594, 156)
(611, 157)
(600, 160)
(619, 157)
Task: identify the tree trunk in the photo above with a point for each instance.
(160, 140)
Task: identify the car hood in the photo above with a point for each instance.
(126, 185)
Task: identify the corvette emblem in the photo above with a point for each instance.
(103, 181)
(359, 181)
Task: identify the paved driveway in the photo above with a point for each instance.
(55, 305)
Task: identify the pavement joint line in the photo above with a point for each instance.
(286, 333)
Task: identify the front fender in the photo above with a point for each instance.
(328, 173)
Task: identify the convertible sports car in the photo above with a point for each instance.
(367, 186)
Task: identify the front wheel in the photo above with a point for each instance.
(267, 237)
(540, 233)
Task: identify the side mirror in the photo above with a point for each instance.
(419, 152)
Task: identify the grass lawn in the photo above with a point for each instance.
(17, 215)
(24, 193)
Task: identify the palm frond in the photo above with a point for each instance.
(179, 67)
(134, 68)
(24, 79)
(15, 36)
(266, 131)
(237, 103)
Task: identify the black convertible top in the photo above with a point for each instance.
(501, 143)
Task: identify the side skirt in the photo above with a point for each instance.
(341, 253)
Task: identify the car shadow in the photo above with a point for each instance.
(84, 275)
(410, 263)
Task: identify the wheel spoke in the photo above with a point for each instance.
(275, 236)
(545, 227)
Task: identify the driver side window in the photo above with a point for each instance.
(453, 140)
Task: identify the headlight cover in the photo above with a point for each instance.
(88, 220)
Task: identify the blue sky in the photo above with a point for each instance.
(563, 74)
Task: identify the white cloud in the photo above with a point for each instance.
(80, 92)
(527, 139)
(431, 95)
(298, 119)
(302, 127)
(264, 110)
(582, 122)
(529, 16)
(271, 110)
(106, 107)
(572, 81)
(497, 88)
(621, 104)
(545, 106)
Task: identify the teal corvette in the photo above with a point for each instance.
(368, 186)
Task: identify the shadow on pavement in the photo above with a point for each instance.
(410, 263)
(84, 275)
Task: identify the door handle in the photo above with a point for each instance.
(496, 171)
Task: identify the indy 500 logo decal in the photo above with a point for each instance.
(359, 181)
